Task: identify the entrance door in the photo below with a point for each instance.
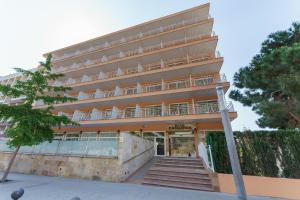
(182, 145)
(159, 144)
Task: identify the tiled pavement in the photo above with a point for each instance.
(58, 188)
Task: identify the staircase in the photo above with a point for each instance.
(185, 173)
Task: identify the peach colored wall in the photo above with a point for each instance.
(263, 186)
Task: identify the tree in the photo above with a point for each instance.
(29, 125)
(270, 84)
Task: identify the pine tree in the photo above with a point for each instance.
(270, 84)
(29, 125)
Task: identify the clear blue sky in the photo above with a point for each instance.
(32, 27)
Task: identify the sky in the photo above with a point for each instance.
(33, 27)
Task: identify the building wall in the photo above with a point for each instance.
(263, 186)
(133, 153)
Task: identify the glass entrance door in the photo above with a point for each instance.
(182, 145)
(159, 146)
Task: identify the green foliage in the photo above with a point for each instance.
(261, 153)
(28, 125)
(270, 83)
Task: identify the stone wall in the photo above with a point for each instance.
(134, 153)
(95, 168)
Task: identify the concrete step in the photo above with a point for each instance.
(178, 170)
(178, 185)
(196, 181)
(196, 162)
(179, 175)
(191, 166)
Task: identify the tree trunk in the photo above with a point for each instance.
(10, 165)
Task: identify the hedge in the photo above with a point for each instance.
(261, 153)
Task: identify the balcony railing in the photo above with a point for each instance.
(139, 69)
(88, 146)
(138, 51)
(192, 82)
(180, 109)
(124, 40)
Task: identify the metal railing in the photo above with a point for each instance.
(136, 52)
(192, 82)
(179, 109)
(149, 67)
(129, 39)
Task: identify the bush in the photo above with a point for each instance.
(261, 153)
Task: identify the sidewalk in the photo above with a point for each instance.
(58, 188)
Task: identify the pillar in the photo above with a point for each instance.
(167, 143)
(196, 141)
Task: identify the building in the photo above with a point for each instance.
(155, 80)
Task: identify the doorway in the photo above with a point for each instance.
(182, 144)
(159, 146)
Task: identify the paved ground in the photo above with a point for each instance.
(58, 188)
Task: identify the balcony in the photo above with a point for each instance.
(132, 53)
(156, 111)
(139, 69)
(125, 40)
(191, 82)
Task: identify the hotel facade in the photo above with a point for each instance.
(148, 90)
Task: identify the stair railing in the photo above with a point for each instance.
(206, 156)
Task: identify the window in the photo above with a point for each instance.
(131, 90)
(108, 114)
(179, 109)
(207, 107)
(153, 88)
(153, 111)
(178, 84)
(204, 81)
(130, 112)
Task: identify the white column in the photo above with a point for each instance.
(85, 78)
(118, 91)
(77, 115)
(163, 109)
(102, 75)
(96, 114)
(139, 88)
(82, 95)
(138, 110)
(115, 113)
(140, 68)
(99, 93)
(162, 64)
(120, 72)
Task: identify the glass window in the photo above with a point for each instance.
(131, 91)
(207, 107)
(152, 111)
(179, 109)
(204, 81)
(108, 114)
(153, 88)
(130, 112)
